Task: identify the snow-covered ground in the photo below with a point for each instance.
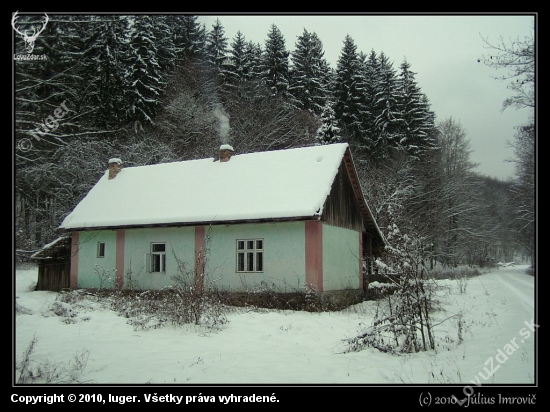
(94, 345)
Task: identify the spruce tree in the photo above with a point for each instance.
(216, 46)
(348, 93)
(167, 52)
(308, 77)
(188, 36)
(144, 76)
(369, 76)
(388, 121)
(328, 132)
(275, 63)
(418, 127)
(238, 64)
(254, 57)
(103, 70)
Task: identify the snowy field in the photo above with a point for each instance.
(90, 344)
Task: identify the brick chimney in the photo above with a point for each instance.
(115, 166)
(226, 151)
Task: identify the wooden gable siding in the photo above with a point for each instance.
(341, 208)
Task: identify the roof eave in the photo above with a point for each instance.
(184, 224)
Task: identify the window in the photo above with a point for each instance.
(157, 258)
(100, 249)
(250, 255)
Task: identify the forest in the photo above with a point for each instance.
(151, 89)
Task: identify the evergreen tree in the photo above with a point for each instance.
(275, 63)
(144, 75)
(418, 121)
(328, 132)
(39, 88)
(388, 119)
(308, 74)
(103, 71)
(348, 93)
(254, 57)
(369, 70)
(188, 36)
(216, 46)
(237, 68)
(167, 51)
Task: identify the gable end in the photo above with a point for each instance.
(341, 208)
(346, 206)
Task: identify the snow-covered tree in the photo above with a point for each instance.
(216, 46)
(309, 73)
(144, 74)
(261, 121)
(238, 65)
(103, 69)
(328, 132)
(518, 58)
(418, 121)
(348, 93)
(275, 62)
(524, 190)
(188, 36)
(167, 51)
(388, 120)
(457, 192)
(403, 321)
(254, 56)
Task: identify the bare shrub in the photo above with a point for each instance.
(403, 321)
(36, 370)
(193, 298)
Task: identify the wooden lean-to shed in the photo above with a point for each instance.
(286, 220)
(53, 262)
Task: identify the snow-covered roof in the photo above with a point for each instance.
(42, 253)
(291, 183)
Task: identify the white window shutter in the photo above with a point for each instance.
(148, 262)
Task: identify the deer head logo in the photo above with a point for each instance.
(29, 40)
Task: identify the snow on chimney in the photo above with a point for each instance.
(226, 151)
(115, 166)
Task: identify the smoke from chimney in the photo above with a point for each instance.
(223, 124)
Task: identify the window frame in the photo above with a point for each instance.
(157, 258)
(100, 250)
(250, 255)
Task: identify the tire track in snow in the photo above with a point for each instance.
(527, 281)
(521, 289)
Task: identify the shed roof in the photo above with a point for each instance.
(276, 185)
(58, 248)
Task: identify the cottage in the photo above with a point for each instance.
(282, 219)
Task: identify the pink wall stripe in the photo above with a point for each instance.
(73, 278)
(119, 276)
(314, 254)
(199, 256)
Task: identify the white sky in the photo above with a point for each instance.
(282, 347)
(442, 50)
